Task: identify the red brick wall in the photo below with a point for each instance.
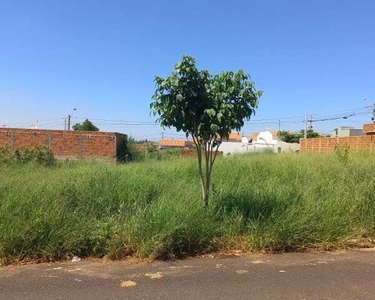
(66, 144)
(369, 128)
(5, 138)
(325, 145)
(29, 139)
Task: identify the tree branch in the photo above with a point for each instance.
(216, 151)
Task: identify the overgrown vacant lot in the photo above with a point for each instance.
(154, 208)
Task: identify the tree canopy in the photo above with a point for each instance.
(204, 106)
(86, 125)
(293, 137)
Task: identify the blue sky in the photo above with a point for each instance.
(101, 57)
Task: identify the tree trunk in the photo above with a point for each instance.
(207, 171)
(205, 197)
(205, 177)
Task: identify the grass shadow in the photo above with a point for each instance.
(258, 206)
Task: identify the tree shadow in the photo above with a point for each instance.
(258, 206)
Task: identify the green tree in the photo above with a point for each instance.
(293, 137)
(289, 137)
(206, 107)
(86, 125)
(310, 134)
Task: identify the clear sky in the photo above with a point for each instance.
(101, 57)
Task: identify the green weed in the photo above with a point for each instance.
(153, 209)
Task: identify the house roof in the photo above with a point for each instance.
(274, 133)
(235, 137)
(175, 143)
(253, 136)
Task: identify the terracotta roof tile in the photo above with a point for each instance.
(235, 136)
(175, 143)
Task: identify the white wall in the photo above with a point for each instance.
(287, 147)
(275, 147)
(233, 147)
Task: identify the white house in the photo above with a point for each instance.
(264, 140)
(235, 144)
(267, 140)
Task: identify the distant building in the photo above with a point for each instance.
(346, 131)
(173, 144)
(269, 140)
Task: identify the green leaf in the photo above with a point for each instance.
(214, 128)
(219, 116)
(210, 112)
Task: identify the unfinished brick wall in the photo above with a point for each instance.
(66, 144)
(356, 143)
(369, 128)
(326, 145)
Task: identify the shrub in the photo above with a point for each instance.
(7, 154)
(40, 155)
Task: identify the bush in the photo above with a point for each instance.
(7, 154)
(39, 155)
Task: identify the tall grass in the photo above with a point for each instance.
(153, 208)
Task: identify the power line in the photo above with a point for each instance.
(33, 122)
(338, 117)
(318, 117)
(119, 121)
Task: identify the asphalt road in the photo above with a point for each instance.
(297, 276)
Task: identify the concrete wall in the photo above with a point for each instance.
(67, 144)
(356, 132)
(288, 147)
(346, 131)
(233, 147)
(279, 146)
